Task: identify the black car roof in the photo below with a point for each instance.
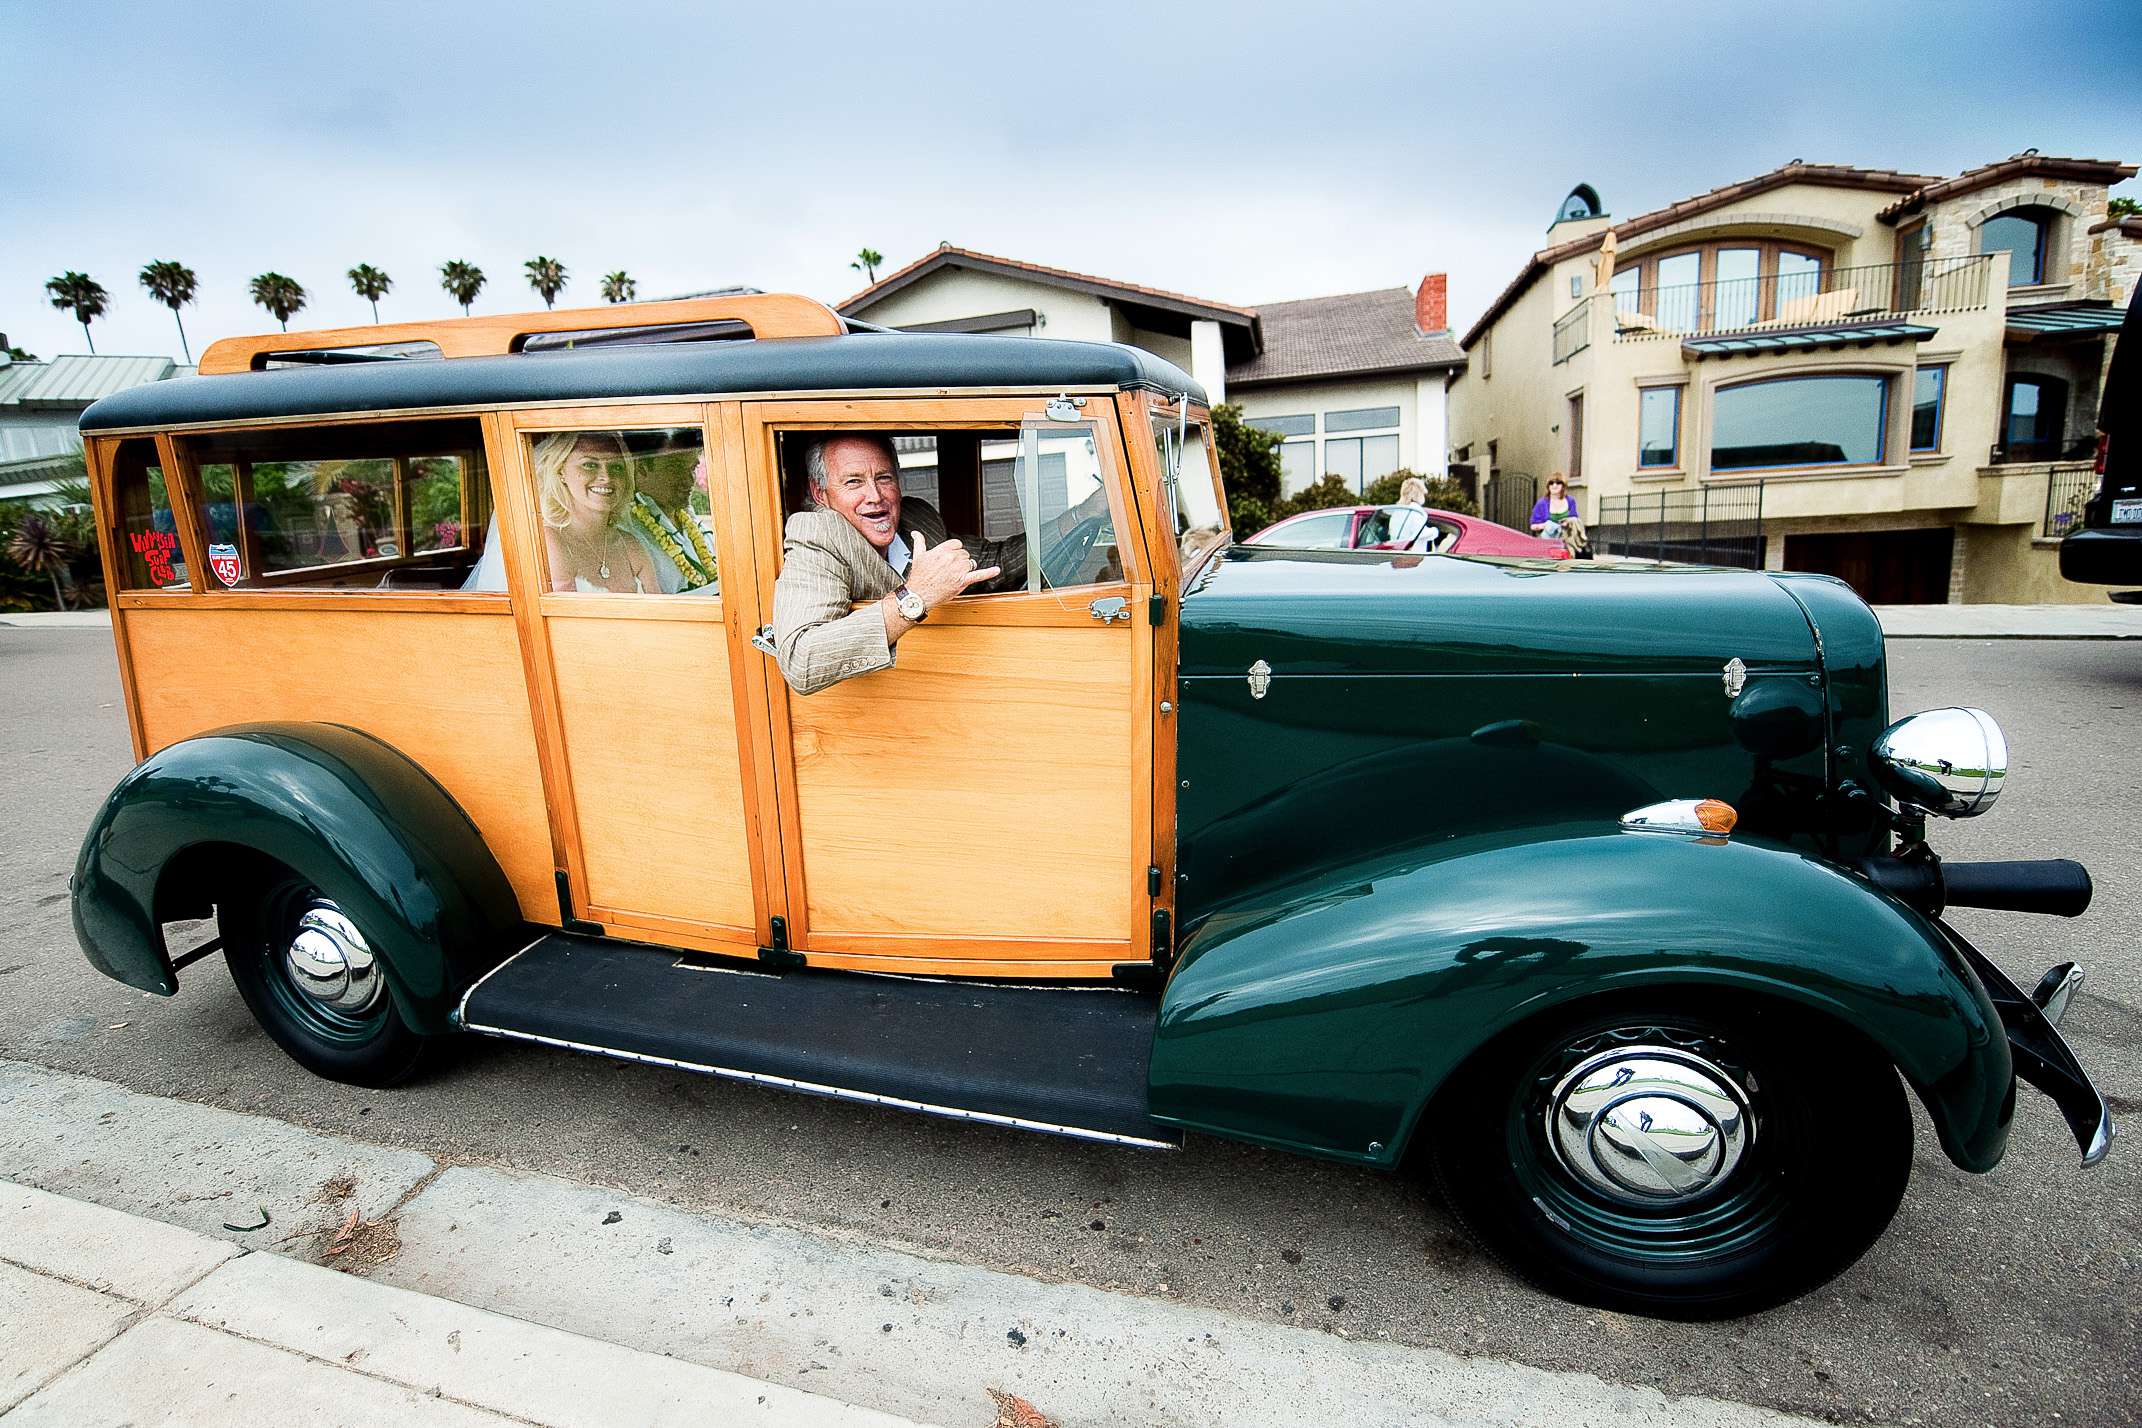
(857, 361)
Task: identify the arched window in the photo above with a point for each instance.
(2026, 235)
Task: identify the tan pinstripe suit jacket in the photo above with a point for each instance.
(827, 566)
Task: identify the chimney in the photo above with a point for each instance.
(1431, 304)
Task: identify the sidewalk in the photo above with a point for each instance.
(2103, 621)
(470, 1294)
(111, 1317)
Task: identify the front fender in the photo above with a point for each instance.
(1321, 1015)
(351, 814)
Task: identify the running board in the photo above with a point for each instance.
(1067, 1060)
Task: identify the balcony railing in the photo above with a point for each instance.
(1802, 299)
(2067, 490)
(1572, 333)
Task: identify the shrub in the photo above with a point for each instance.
(1249, 469)
(1443, 494)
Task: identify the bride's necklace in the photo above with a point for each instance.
(602, 566)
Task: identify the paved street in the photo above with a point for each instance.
(1998, 1299)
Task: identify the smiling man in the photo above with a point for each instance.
(862, 540)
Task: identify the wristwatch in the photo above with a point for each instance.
(910, 604)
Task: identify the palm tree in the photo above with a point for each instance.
(866, 262)
(173, 285)
(82, 293)
(282, 296)
(39, 545)
(619, 287)
(370, 284)
(462, 282)
(546, 276)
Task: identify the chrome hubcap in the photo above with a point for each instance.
(331, 963)
(1648, 1125)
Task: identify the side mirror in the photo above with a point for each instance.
(1948, 762)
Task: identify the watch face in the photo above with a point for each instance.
(910, 603)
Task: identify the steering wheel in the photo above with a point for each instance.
(1069, 554)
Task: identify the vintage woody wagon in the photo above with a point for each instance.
(1599, 892)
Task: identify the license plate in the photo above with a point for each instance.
(2127, 513)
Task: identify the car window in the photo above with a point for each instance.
(357, 506)
(625, 512)
(150, 554)
(1002, 490)
(1319, 531)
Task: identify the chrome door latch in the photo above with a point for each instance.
(1110, 608)
(762, 641)
(1260, 679)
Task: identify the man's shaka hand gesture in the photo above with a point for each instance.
(938, 572)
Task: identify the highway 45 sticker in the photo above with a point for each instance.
(223, 559)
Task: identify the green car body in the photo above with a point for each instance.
(1407, 843)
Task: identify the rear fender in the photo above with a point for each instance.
(1323, 1014)
(351, 814)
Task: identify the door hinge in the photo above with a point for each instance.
(1163, 938)
(779, 953)
(1152, 882)
(1156, 610)
(566, 919)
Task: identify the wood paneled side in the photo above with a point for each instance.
(981, 788)
(651, 743)
(447, 690)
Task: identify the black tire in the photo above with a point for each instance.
(367, 1045)
(1824, 1158)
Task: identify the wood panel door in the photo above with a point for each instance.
(984, 805)
(654, 755)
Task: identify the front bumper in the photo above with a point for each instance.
(2041, 1054)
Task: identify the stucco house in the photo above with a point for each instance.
(1886, 376)
(1354, 383)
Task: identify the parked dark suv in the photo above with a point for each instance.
(2107, 548)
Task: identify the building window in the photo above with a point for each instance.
(1487, 354)
(1911, 264)
(1285, 425)
(1360, 419)
(1717, 286)
(1576, 436)
(2024, 234)
(1367, 457)
(1658, 423)
(2034, 418)
(1297, 465)
(1800, 421)
(1929, 387)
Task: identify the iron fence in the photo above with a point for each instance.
(1507, 499)
(2067, 490)
(1713, 525)
(1811, 297)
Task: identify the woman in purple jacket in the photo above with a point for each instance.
(1554, 516)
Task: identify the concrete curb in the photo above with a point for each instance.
(2011, 622)
(58, 620)
(505, 1258)
(115, 1317)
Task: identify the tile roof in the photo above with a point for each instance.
(947, 256)
(1826, 175)
(2105, 171)
(1350, 334)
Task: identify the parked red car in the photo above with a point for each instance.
(1415, 528)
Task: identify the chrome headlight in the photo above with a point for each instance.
(1948, 762)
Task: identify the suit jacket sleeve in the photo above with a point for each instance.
(820, 640)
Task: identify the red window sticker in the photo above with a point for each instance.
(156, 549)
(223, 559)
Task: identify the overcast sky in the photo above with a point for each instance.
(1243, 153)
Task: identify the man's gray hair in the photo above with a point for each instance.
(814, 455)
